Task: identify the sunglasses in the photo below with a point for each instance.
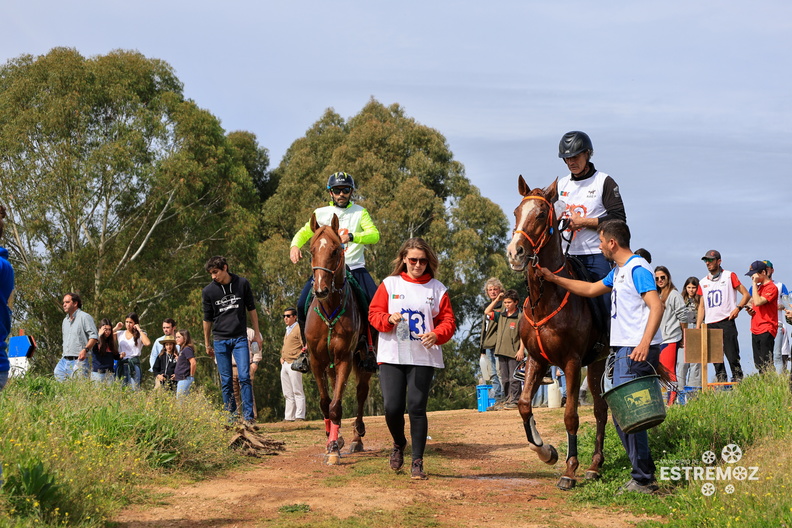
(341, 190)
(421, 261)
(289, 315)
(661, 278)
(709, 259)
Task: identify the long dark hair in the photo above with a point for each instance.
(415, 243)
(696, 298)
(665, 292)
(107, 344)
(134, 330)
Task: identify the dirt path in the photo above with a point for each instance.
(481, 473)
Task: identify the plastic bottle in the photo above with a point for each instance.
(403, 339)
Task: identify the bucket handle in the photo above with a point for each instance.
(609, 373)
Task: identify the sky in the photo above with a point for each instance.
(687, 103)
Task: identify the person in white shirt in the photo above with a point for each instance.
(635, 338)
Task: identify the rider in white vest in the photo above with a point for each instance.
(591, 197)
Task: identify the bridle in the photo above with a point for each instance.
(536, 247)
(332, 273)
(544, 237)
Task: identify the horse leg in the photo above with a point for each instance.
(359, 428)
(533, 375)
(595, 372)
(334, 439)
(571, 422)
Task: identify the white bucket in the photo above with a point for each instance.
(554, 395)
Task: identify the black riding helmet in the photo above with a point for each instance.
(340, 179)
(573, 143)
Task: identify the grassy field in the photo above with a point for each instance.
(74, 452)
(756, 416)
(77, 453)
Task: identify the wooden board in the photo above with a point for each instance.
(713, 341)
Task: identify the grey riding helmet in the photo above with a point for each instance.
(573, 143)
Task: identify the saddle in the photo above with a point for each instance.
(601, 318)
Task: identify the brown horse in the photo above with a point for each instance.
(557, 328)
(335, 333)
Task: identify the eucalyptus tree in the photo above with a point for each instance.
(117, 186)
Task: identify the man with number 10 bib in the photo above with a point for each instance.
(719, 308)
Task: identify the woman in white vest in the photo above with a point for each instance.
(414, 317)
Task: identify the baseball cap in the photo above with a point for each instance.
(769, 264)
(757, 266)
(711, 254)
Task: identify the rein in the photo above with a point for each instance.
(330, 319)
(536, 247)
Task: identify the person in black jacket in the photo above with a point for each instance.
(165, 364)
(226, 300)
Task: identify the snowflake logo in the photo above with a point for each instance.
(708, 457)
(729, 489)
(731, 453)
(740, 473)
(708, 489)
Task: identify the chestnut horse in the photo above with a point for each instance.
(558, 328)
(335, 333)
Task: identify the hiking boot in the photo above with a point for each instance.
(634, 486)
(417, 472)
(509, 406)
(547, 380)
(397, 457)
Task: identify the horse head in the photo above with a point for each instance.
(327, 256)
(535, 224)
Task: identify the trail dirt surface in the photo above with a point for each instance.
(481, 473)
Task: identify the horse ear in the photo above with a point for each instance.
(523, 187)
(314, 223)
(334, 223)
(551, 192)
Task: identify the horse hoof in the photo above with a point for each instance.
(340, 442)
(333, 459)
(553, 456)
(356, 447)
(566, 483)
(593, 475)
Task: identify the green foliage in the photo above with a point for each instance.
(32, 490)
(118, 188)
(295, 508)
(755, 415)
(77, 451)
(411, 185)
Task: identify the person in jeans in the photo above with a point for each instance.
(184, 373)
(227, 302)
(489, 336)
(635, 338)
(79, 336)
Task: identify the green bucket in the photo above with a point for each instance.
(638, 404)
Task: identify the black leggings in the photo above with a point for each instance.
(411, 383)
